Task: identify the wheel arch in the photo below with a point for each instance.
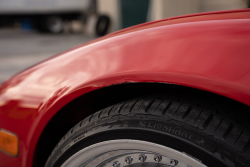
(95, 100)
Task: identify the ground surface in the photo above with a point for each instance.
(19, 50)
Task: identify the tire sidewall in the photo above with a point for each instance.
(150, 128)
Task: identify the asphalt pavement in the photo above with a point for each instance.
(19, 50)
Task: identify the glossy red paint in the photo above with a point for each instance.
(211, 55)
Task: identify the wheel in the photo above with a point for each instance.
(53, 24)
(102, 25)
(154, 132)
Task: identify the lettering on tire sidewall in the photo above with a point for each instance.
(174, 131)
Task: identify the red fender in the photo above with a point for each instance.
(212, 55)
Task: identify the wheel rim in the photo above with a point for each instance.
(55, 24)
(130, 153)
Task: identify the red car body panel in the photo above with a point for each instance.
(212, 55)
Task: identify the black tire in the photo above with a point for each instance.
(198, 131)
(102, 25)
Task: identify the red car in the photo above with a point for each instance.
(174, 92)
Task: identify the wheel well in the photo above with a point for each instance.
(89, 103)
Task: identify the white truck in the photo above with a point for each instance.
(45, 15)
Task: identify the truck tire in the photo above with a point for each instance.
(154, 131)
(102, 25)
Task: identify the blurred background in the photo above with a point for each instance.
(33, 30)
